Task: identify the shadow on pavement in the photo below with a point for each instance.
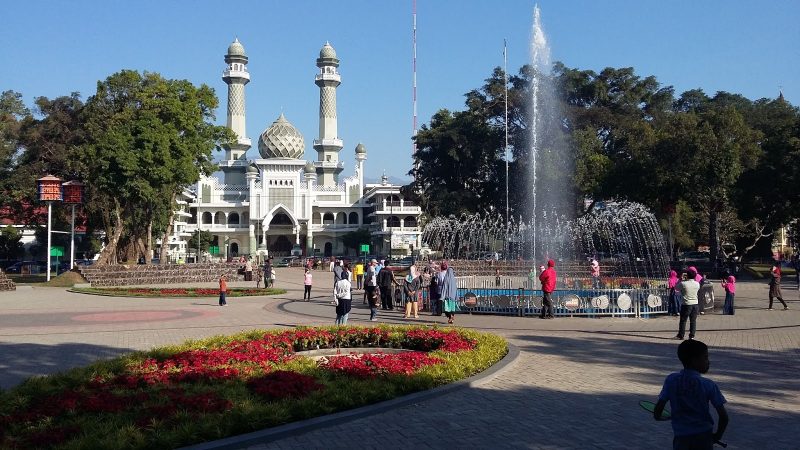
(21, 361)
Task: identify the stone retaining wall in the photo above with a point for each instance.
(5, 283)
(143, 274)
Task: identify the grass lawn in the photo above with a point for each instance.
(760, 271)
(229, 385)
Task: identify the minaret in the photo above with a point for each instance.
(236, 76)
(361, 156)
(328, 145)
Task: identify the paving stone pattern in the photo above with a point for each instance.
(576, 384)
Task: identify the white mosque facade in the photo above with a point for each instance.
(281, 204)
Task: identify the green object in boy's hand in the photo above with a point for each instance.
(650, 406)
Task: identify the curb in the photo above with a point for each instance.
(305, 426)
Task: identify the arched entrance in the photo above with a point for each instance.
(328, 249)
(281, 247)
(234, 249)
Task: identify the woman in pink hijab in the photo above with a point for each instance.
(673, 307)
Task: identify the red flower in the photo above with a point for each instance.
(366, 366)
(284, 384)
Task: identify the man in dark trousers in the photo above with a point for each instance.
(385, 281)
(548, 279)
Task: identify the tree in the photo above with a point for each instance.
(206, 239)
(148, 137)
(10, 245)
(12, 113)
(768, 195)
(354, 239)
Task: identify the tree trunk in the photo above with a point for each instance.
(148, 243)
(162, 256)
(713, 233)
(109, 253)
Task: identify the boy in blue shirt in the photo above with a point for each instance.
(688, 394)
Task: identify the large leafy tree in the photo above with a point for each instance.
(768, 195)
(147, 138)
(12, 113)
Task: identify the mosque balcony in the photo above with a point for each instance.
(328, 77)
(216, 227)
(229, 74)
(322, 227)
(399, 229)
(328, 143)
(407, 208)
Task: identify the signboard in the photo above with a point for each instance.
(364, 248)
(57, 251)
(49, 189)
(403, 240)
(214, 250)
(73, 192)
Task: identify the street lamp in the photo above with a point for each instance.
(49, 191)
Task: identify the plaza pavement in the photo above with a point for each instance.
(576, 383)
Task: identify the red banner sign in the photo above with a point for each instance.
(49, 191)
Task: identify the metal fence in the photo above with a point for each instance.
(517, 296)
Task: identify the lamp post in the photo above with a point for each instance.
(73, 195)
(49, 191)
(391, 228)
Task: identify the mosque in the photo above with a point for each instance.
(280, 204)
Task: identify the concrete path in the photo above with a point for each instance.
(576, 384)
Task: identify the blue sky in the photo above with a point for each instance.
(54, 48)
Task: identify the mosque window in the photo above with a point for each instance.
(206, 217)
(353, 218)
(327, 218)
(393, 221)
(410, 221)
(233, 219)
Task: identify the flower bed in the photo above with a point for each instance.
(225, 386)
(177, 292)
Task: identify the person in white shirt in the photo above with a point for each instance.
(689, 309)
(342, 298)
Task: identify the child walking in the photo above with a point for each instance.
(307, 281)
(688, 394)
(259, 277)
(223, 289)
(729, 284)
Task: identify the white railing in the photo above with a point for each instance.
(398, 209)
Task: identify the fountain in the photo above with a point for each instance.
(624, 237)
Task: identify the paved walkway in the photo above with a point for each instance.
(576, 383)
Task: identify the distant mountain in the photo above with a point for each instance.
(392, 179)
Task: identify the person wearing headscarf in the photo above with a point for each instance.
(775, 287)
(449, 292)
(673, 307)
(410, 289)
(594, 271)
(729, 284)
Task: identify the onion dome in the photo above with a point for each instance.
(252, 169)
(360, 149)
(281, 140)
(309, 168)
(327, 51)
(236, 48)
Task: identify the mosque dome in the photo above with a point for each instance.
(360, 149)
(327, 51)
(281, 140)
(236, 48)
(309, 168)
(252, 169)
